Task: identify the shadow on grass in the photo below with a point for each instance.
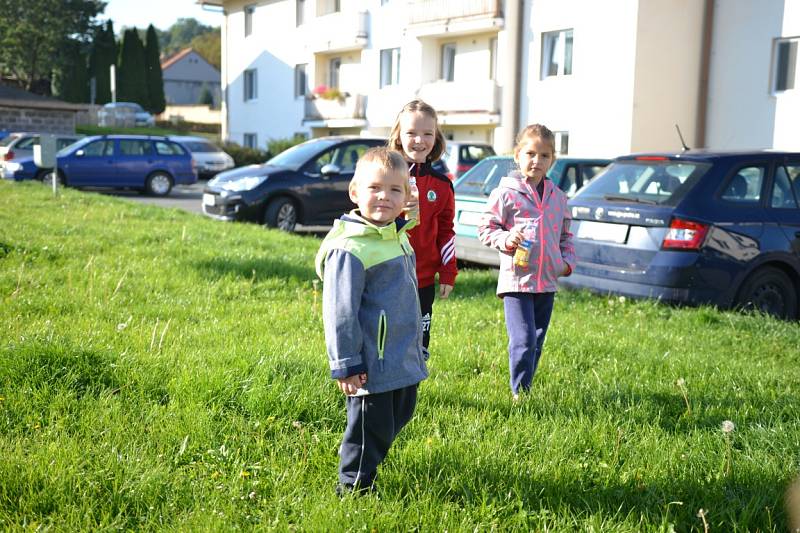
(255, 269)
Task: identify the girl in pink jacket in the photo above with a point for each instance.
(527, 221)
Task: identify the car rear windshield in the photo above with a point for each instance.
(8, 140)
(662, 181)
(200, 146)
(481, 179)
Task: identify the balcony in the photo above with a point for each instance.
(429, 18)
(338, 32)
(337, 111)
(464, 102)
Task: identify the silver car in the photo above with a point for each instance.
(209, 158)
(20, 144)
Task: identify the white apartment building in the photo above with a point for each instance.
(609, 76)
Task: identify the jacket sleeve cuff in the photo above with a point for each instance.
(341, 373)
(447, 278)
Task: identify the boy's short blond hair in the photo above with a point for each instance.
(380, 158)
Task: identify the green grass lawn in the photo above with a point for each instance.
(160, 370)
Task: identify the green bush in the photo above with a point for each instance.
(276, 146)
(243, 156)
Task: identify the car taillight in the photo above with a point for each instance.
(684, 235)
(8, 156)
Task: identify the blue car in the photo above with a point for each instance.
(24, 168)
(148, 163)
(473, 189)
(697, 227)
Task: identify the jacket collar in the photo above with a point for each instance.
(420, 169)
(516, 181)
(356, 225)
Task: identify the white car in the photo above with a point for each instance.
(209, 158)
(114, 112)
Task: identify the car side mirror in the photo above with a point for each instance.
(330, 169)
(80, 153)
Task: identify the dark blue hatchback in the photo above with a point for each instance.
(699, 227)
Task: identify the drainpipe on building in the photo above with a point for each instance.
(705, 67)
(509, 113)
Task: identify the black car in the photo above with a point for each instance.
(697, 227)
(306, 184)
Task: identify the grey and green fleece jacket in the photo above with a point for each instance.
(370, 306)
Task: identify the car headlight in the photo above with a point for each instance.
(241, 184)
(11, 166)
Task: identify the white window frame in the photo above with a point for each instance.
(250, 140)
(334, 69)
(557, 49)
(561, 142)
(390, 67)
(300, 80)
(249, 11)
(786, 64)
(447, 72)
(250, 84)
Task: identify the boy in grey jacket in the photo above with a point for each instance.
(371, 315)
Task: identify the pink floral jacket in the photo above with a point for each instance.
(515, 203)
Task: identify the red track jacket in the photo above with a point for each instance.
(434, 240)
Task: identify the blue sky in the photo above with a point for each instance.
(160, 13)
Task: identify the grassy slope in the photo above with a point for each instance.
(161, 370)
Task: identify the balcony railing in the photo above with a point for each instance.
(462, 97)
(425, 11)
(343, 30)
(351, 106)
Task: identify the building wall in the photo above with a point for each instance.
(667, 74)
(787, 104)
(741, 109)
(594, 104)
(36, 120)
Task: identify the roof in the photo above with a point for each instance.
(15, 97)
(175, 58)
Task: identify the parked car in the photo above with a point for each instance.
(209, 158)
(305, 184)
(461, 156)
(697, 227)
(24, 167)
(112, 111)
(20, 144)
(474, 187)
(148, 163)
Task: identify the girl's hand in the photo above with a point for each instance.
(351, 384)
(513, 238)
(444, 291)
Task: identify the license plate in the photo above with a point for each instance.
(603, 231)
(209, 199)
(469, 218)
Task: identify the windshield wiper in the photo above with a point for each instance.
(632, 199)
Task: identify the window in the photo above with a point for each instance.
(785, 63)
(300, 80)
(347, 156)
(250, 140)
(786, 188)
(99, 148)
(250, 84)
(248, 19)
(569, 183)
(493, 58)
(556, 53)
(562, 142)
(448, 62)
(390, 67)
(744, 186)
(334, 66)
(300, 12)
(134, 147)
(168, 148)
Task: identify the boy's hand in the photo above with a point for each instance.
(351, 384)
(445, 290)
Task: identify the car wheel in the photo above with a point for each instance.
(46, 177)
(769, 290)
(158, 184)
(281, 213)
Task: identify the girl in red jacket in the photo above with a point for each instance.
(417, 136)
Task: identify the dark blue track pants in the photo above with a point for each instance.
(527, 319)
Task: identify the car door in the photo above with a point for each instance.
(784, 204)
(328, 195)
(92, 164)
(134, 161)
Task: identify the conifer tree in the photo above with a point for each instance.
(103, 55)
(155, 78)
(131, 80)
